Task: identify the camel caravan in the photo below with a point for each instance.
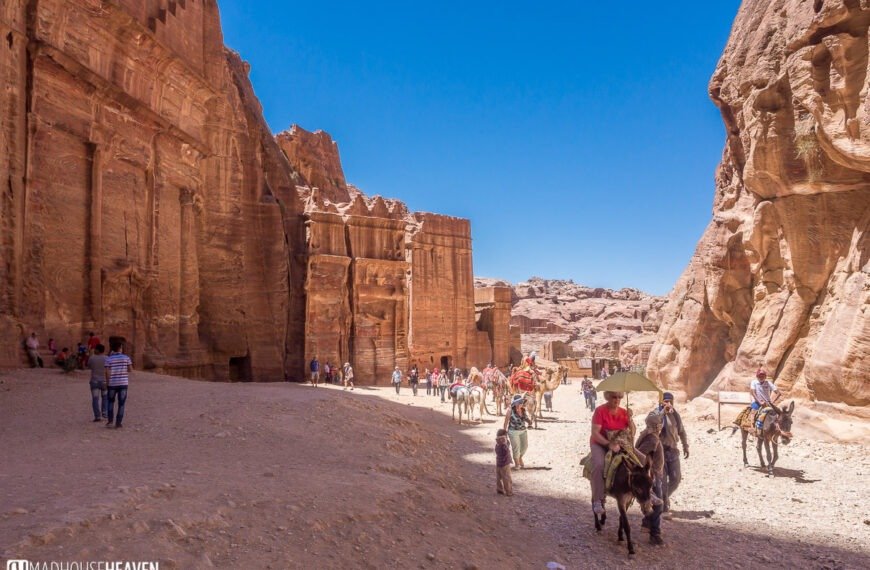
(530, 380)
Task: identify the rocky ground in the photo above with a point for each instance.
(283, 475)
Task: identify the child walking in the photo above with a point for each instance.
(503, 483)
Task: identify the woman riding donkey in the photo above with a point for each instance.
(612, 430)
(615, 468)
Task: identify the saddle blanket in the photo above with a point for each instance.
(523, 380)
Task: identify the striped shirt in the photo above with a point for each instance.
(117, 364)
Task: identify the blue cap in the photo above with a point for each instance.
(667, 396)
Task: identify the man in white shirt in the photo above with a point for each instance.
(32, 346)
(763, 391)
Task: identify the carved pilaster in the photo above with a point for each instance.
(95, 236)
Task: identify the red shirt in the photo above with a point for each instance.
(608, 422)
(93, 342)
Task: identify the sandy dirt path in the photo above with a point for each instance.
(289, 476)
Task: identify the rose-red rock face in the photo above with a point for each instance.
(144, 197)
(780, 278)
(315, 157)
(144, 191)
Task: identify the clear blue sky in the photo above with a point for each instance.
(578, 137)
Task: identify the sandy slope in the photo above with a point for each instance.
(281, 475)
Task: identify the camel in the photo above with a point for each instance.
(549, 378)
(496, 382)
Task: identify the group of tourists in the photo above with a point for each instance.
(331, 374)
(109, 376)
(437, 381)
(66, 359)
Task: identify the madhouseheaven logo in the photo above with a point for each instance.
(84, 565)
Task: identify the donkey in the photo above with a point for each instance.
(460, 398)
(630, 482)
(476, 398)
(776, 425)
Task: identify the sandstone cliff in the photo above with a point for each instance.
(144, 197)
(585, 321)
(780, 278)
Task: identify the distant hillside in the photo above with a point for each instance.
(586, 320)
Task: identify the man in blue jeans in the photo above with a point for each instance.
(99, 391)
(118, 366)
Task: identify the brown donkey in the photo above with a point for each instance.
(777, 424)
(629, 483)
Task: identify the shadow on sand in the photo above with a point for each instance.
(799, 475)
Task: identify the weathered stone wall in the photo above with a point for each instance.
(442, 286)
(781, 277)
(386, 287)
(493, 309)
(145, 197)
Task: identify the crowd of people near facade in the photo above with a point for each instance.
(435, 381)
(109, 375)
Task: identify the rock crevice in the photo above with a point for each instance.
(786, 280)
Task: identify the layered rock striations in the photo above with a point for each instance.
(144, 197)
(583, 321)
(780, 278)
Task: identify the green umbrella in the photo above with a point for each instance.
(627, 382)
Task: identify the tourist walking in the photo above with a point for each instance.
(93, 341)
(443, 382)
(427, 378)
(672, 431)
(117, 370)
(515, 421)
(99, 388)
(548, 400)
(414, 379)
(31, 344)
(348, 375)
(649, 443)
(314, 368)
(503, 484)
(589, 393)
(397, 379)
